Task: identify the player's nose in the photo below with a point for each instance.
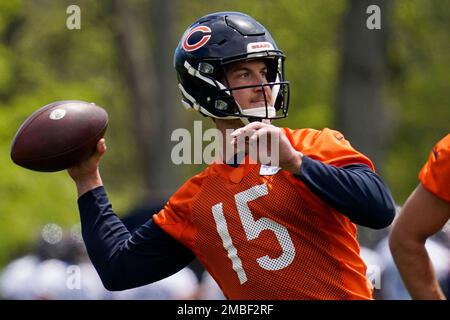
(262, 87)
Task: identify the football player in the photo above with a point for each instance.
(262, 232)
(425, 212)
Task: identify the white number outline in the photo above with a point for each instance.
(252, 229)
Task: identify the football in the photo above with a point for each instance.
(59, 135)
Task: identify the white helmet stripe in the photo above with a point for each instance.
(275, 90)
(197, 106)
(195, 73)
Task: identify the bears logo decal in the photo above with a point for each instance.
(200, 43)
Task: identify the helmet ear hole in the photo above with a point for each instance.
(225, 103)
(221, 105)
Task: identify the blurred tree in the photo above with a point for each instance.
(419, 82)
(42, 61)
(361, 111)
(146, 40)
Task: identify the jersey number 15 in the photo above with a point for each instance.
(252, 230)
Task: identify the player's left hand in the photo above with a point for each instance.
(271, 141)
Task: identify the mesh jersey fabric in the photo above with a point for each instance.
(270, 237)
(435, 174)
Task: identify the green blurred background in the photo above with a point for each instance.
(387, 90)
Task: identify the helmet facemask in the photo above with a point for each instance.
(275, 105)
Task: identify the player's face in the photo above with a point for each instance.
(247, 73)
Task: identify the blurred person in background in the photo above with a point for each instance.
(59, 269)
(209, 289)
(182, 285)
(426, 211)
(46, 272)
(374, 265)
(392, 286)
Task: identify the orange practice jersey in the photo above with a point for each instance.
(435, 174)
(268, 236)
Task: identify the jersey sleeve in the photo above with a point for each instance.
(435, 174)
(328, 146)
(175, 217)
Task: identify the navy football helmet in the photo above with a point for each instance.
(213, 42)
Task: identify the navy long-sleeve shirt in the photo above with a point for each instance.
(355, 190)
(124, 260)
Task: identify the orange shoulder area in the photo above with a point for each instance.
(327, 145)
(178, 208)
(444, 145)
(435, 174)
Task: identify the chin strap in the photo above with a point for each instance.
(261, 112)
(258, 113)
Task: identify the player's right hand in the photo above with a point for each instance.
(86, 173)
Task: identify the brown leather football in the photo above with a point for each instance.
(59, 135)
